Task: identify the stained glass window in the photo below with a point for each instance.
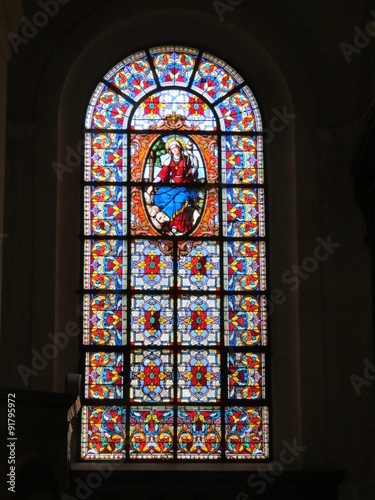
(174, 275)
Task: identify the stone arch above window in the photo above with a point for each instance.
(175, 334)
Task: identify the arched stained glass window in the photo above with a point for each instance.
(175, 334)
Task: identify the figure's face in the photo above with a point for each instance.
(176, 151)
(153, 211)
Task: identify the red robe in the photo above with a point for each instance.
(177, 172)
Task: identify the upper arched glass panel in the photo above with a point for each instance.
(199, 82)
(133, 76)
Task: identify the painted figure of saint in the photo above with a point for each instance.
(175, 208)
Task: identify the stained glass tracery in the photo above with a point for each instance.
(175, 324)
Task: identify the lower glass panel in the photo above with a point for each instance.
(246, 433)
(198, 433)
(103, 433)
(151, 433)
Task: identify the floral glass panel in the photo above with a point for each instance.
(168, 107)
(240, 113)
(151, 320)
(198, 320)
(199, 433)
(105, 209)
(151, 267)
(199, 266)
(246, 432)
(245, 265)
(103, 375)
(214, 78)
(151, 433)
(104, 319)
(105, 264)
(198, 376)
(151, 376)
(246, 376)
(105, 157)
(243, 162)
(103, 433)
(174, 65)
(133, 76)
(243, 212)
(245, 320)
(108, 110)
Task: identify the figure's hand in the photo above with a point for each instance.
(149, 190)
(195, 161)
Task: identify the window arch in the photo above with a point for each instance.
(175, 334)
